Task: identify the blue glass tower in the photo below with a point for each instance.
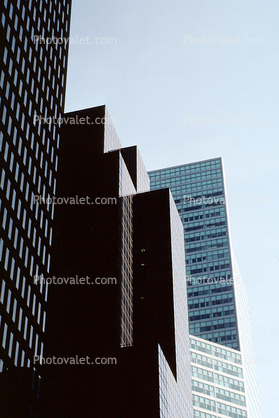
(199, 193)
(217, 301)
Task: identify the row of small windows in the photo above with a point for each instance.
(217, 243)
(230, 411)
(201, 359)
(195, 226)
(203, 388)
(215, 351)
(200, 414)
(198, 315)
(218, 407)
(225, 395)
(202, 374)
(212, 325)
(179, 179)
(196, 258)
(213, 301)
(202, 205)
(193, 188)
(227, 368)
(203, 268)
(228, 338)
(229, 396)
(223, 311)
(216, 280)
(218, 232)
(226, 355)
(194, 201)
(215, 313)
(229, 382)
(211, 289)
(205, 361)
(203, 403)
(189, 184)
(200, 346)
(211, 213)
(186, 169)
(215, 223)
(210, 255)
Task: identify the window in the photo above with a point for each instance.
(3, 291)
(10, 228)
(4, 218)
(16, 353)
(20, 319)
(15, 237)
(4, 340)
(11, 344)
(2, 178)
(8, 306)
(25, 328)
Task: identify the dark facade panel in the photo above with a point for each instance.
(108, 240)
(153, 285)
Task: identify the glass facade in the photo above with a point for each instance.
(127, 188)
(217, 301)
(32, 86)
(199, 193)
(125, 275)
(217, 380)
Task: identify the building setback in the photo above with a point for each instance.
(217, 301)
(32, 87)
(141, 321)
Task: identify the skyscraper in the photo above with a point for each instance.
(217, 380)
(120, 231)
(217, 302)
(32, 91)
(199, 194)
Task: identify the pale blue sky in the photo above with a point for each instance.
(187, 81)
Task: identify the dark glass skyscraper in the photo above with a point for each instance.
(32, 91)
